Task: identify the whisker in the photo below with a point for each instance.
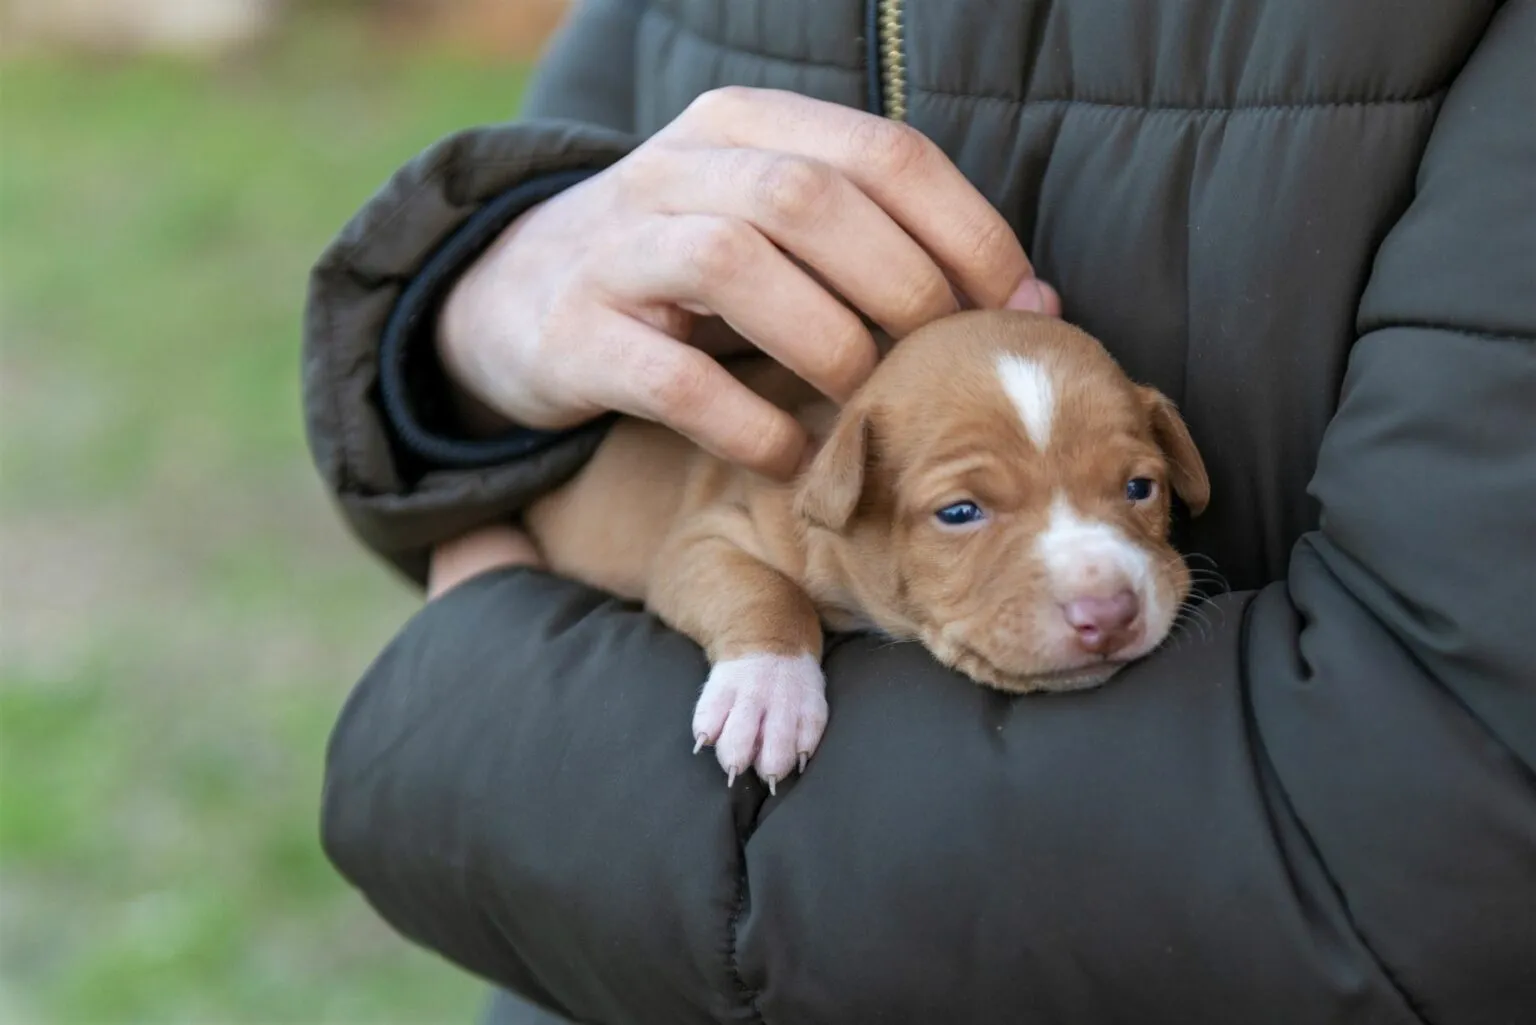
(1191, 612)
(1208, 604)
(1211, 582)
(1185, 628)
(1179, 633)
(1174, 560)
(1210, 573)
(1194, 626)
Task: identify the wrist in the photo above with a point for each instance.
(474, 416)
(498, 546)
(467, 331)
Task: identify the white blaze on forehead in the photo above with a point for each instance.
(1092, 558)
(1030, 389)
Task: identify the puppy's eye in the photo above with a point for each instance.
(1139, 489)
(960, 514)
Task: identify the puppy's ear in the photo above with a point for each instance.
(830, 489)
(1185, 467)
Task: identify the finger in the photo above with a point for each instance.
(649, 375)
(1036, 296)
(727, 267)
(893, 163)
(812, 211)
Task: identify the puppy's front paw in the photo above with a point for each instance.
(766, 711)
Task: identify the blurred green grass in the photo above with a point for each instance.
(182, 615)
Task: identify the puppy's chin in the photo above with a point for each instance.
(1063, 680)
(1058, 682)
(984, 671)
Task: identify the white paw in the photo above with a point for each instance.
(766, 711)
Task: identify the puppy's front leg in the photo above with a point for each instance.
(765, 703)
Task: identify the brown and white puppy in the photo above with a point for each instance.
(998, 490)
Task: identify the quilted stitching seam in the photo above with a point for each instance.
(1303, 106)
(681, 27)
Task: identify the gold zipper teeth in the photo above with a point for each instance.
(894, 73)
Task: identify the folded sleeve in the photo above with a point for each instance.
(1319, 806)
(375, 397)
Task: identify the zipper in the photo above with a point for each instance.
(888, 64)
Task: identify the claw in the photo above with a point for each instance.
(804, 757)
(699, 740)
(730, 778)
(773, 781)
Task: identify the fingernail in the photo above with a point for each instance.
(1027, 296)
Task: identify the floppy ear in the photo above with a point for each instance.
(829, 491)
(1186, 468)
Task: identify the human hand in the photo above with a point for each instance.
(772, 211)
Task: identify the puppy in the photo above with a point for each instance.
(998, 490)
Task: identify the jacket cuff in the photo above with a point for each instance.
(413, 386)
(434, 214)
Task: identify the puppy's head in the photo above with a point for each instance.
(1000, 490)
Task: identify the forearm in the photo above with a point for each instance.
(521, 800)
(460, 799)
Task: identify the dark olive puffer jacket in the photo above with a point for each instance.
(1312, 223)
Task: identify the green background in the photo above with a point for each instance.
(183, 615)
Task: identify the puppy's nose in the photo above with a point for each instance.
(1102, 624)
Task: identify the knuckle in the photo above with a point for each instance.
(927, 297)
(768, 442)
(636, 175)
(672, 382)
(846, 361)
(894, 149)
(716, 251)
(790, 189)
(717, 105)
(989, 243)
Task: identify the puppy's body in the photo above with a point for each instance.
(982, 493)
(607, 526)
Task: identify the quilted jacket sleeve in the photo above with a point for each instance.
(373, 421)
(1321, 810)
